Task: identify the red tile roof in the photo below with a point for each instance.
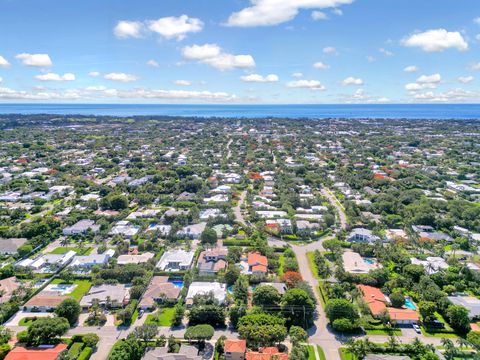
(269, 353)
(235, 346)
(21, 353)
(255, 258)
(374, 298)
(403, 314)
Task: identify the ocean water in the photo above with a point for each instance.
(388, 111)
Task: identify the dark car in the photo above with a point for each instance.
(437, 324)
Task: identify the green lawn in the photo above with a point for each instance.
(311, 352)
(321, 353)
(63, 250)
(311, 263)
(345, 354)
(80, 290)
(281, 264)
(165, 318)
(26, 321)
(394, 331)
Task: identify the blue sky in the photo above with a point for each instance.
(240, 51)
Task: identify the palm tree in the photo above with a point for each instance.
(462, 342)
(64, 241)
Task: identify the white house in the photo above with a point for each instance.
(175, 260)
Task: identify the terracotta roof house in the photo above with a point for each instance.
(44, 353)
(235, 349)
(212, 261)
(7, 288)
(257, 263)
(158, 289)
(269, 353)
(377, 303)
(43, 303)
(403, 315)
(374, 298)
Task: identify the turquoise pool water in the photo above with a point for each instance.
(409, 304)
(369, 261)
(177, 283)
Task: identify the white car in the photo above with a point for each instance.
(417, 328)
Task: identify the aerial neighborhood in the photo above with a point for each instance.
(158, 238)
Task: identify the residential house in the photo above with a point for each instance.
(81, 227)
(210, 214)
(354, 263)
(377, 303)
(88, 261)
(471, 303)
(210, 262)
(186, 352)
(257, 263)
(134, 259)
(192, 232)
(235, 349)
(432, 264)
(175, 260)
(268, 353)
(111, 296)
(163, 230)
(8, 287)
(124, 228)
(395, 235)
(158, 290)
(10, 246)
(218, 290)
(40, 353)
(43, 303)
(362, 235)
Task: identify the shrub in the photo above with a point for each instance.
(90, 340)
(344, 325)
(75, 350)
(22, 336)
(85, 354)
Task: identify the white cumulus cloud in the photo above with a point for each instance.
(182, 82)
(121, 77)
(93, 73)
(329, 50)
(318, 15)
(274, 12)
(172, 27)
(352, 81)
(260, 78)
(429, 79)
(306, 84)
(410, 69)
(436, 40)
(3, 62)
(56, 77)
(214, 56)
(153, 63)
(128, 29)
(321, 66)
(41, 60)
(466, 79)
(475, 66)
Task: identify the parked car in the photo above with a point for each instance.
(417, 328)
(437, 324)
(140, 313)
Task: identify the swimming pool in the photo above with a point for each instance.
(177, 283)
(369, 261)
(409, 304)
